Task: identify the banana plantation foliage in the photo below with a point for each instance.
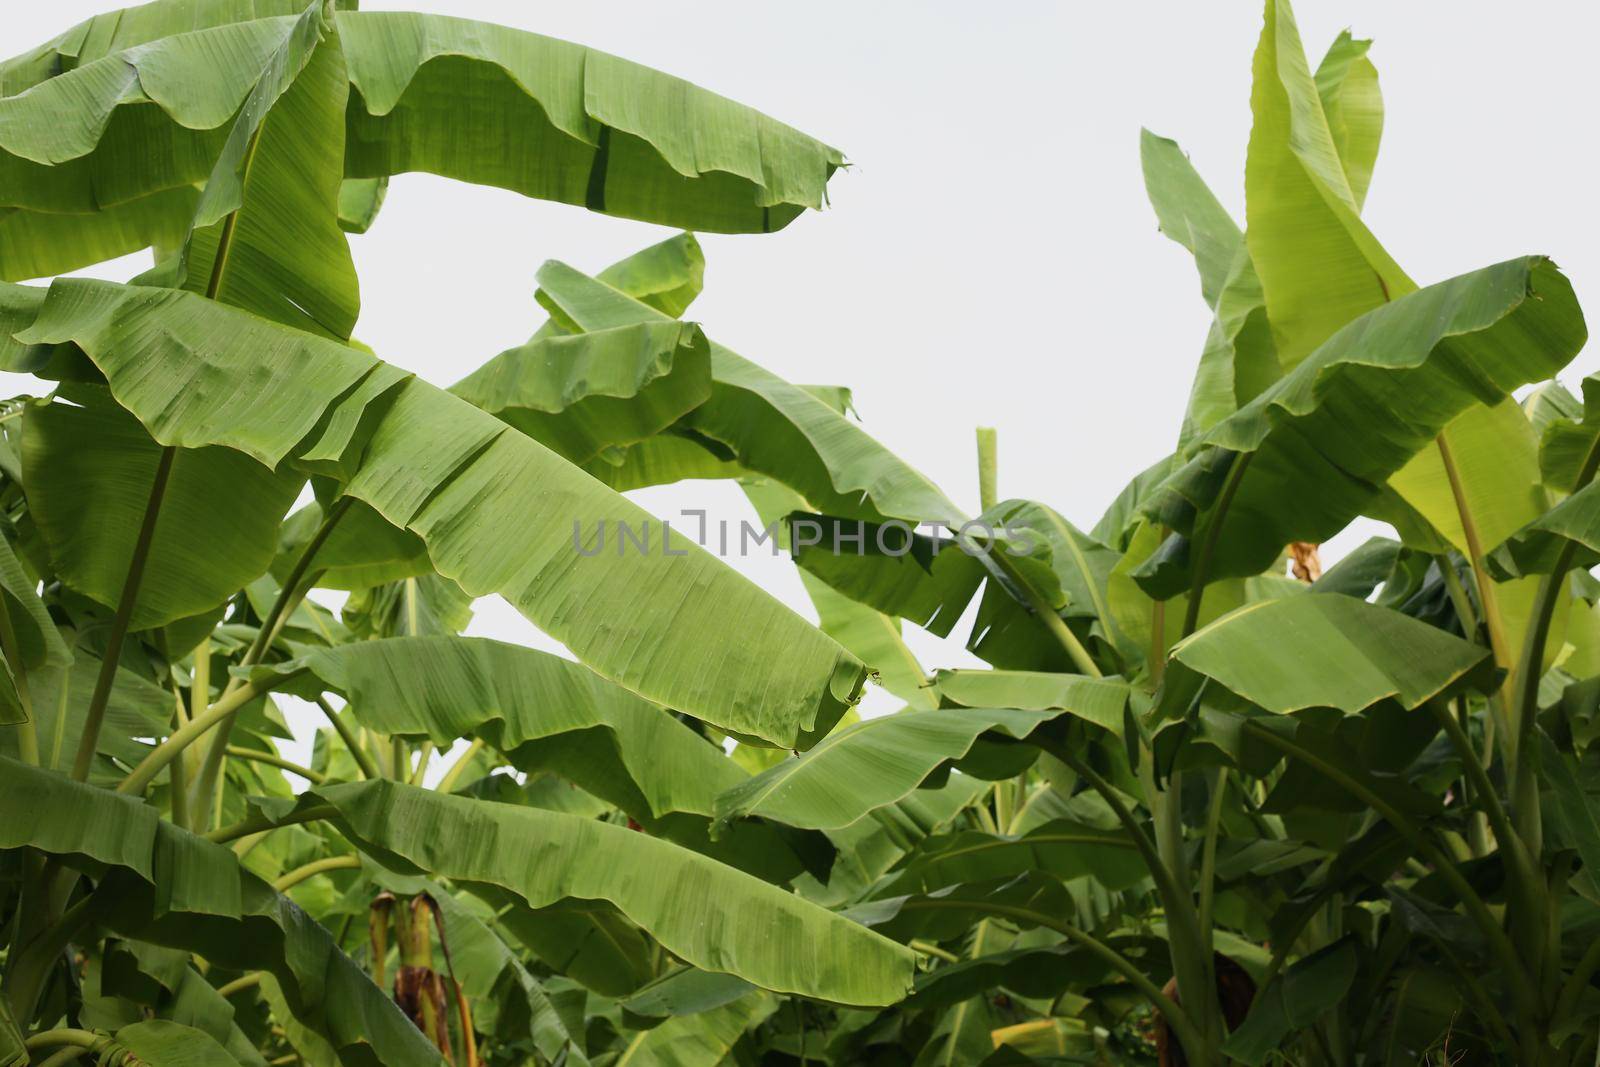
(1211, 803)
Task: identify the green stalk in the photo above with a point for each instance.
(1046, 614)
(1208, 859)
(1185, 939)
(272, 759)
(423, 756)
(89, 742)
(1493, 619)
(241, 983)
(257, 824)
(84, 1039)
(314, 868)
(988, 468)
(224, 709)
(448, 782)
(294, 589)
(358, 752)
(1208, 544)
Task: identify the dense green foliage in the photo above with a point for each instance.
(1207, 806)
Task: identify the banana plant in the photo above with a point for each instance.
(168, 897)
(1239, 814)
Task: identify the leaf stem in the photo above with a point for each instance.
(1046, 614)
(358, 752)
(272, 759)
(447, 784)
(89, 742)
(1208, 542)
(256, 824)
(141, 776)
(241, 983)
(314, 868)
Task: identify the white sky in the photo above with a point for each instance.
(991, 259)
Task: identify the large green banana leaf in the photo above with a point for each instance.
(1299, 196)
(88, 467)
(274, 193)
(772, 427)
(580, 395)
(113, 146)
(1335, 651)
(707, 914)
(1324, 439)
(498, 512)
(543, 712)
(162, 885)
(879, 761)
(113, 31)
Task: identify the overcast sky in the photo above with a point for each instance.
(990, 258)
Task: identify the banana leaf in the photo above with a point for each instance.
(462, 481)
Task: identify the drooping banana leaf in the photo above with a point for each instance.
(1328, 650)
(498, 512)
(562, 122)
(772, 427)
(162, 885)
(141, 125)
(543, 712)
(1031, 971)
(162, 980)
(879, 761)
(112, 31)
(707, 914)
(580, 395)
(1322, 441)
